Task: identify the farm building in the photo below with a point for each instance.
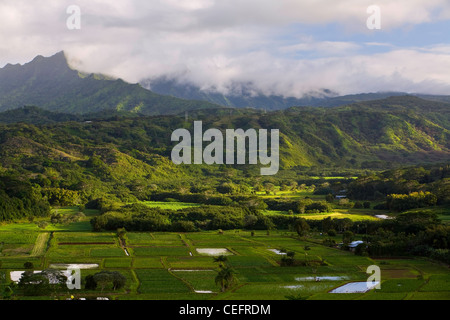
(352, 245)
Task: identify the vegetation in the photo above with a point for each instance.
(102, 190)
(104, 278)
(58, 87)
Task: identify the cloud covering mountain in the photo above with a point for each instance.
(282, 47)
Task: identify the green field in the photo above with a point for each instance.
(166, 265)
(170, 205)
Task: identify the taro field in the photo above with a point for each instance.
(173, 266)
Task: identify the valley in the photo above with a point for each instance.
(90, 180)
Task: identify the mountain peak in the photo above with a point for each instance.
(50, 83)
(59, 59)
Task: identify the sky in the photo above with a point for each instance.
(283, 47)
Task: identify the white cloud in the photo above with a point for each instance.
(323, 48)
(218, 43)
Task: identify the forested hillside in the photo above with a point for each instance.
(128, 158)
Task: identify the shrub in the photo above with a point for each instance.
(361, 250)
(358, 205)
(329, 242)
(183, 226)
(332, 233)
(402, 202)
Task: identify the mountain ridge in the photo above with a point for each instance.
(49, 83)
(376, 134)
(248, 99)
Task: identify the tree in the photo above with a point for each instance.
(225, 278)
(288, 259)
(8, 291)
(414, 222)
(361, 249)
(301, 226)
(347, 237)
(270, 187)
(329, 242)
(90, 283)
(327, 224)
(293, 185)
(221, 260)
(331, 233)
(118, 280)
(344, 202)
(403, 202)
(318, 206)
(42, 224)
(329, 198)
(358, 205)
(303, 204)
(250, 220)
(102, 279)
(42, 283)
(105, 278)
(226, 188)
(343, 224)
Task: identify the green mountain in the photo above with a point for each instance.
(51, 84)
(244, 96)
(379, 134)
(124, 158)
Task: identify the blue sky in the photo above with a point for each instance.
(283, 47)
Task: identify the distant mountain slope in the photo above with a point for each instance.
(35, 115)
(38, 116)
(373, 135)
(51, 84)
(393, 131)
(247, 99)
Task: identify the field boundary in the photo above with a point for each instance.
(40, 244)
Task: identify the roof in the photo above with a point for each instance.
(354, 244)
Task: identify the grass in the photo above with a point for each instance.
(41, 244)
(157, 267)
(84, 237)
(437, 283)
(117, 263)
(191, 263)
(82, 226)
(352, 214)
(401, 285)
(160, 281)
(109, 252)
(170, 205)
(161, 251)
(145, 263)
(337, 215)
(200, 280)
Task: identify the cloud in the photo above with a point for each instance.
(269, 45)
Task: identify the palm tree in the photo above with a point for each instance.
(222, 260)
(225, 278)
